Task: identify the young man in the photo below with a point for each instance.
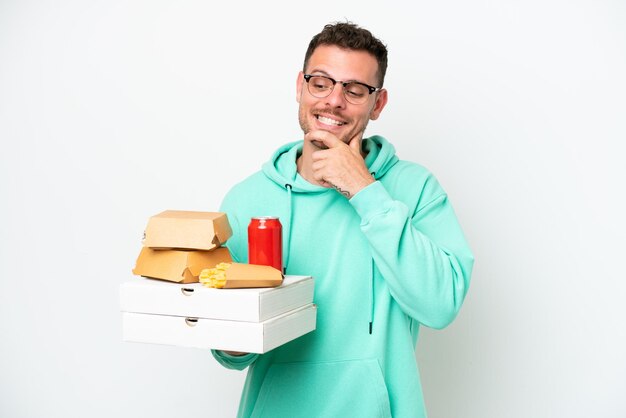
(377, 233)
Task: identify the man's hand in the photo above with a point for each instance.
(235, 353)
(339, 165)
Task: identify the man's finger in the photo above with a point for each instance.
(355, 143)
(323, 137)
(319, 155)
(317, 166)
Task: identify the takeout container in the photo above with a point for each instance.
(248, 337)
(180, 266)
(253, 320)
(190, 230)
(238, 275)
(195, 300)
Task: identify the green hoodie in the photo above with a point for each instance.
(391, 258)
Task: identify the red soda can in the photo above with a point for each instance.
(265, 242)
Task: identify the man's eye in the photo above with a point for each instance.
(355, 90)
(320, 83)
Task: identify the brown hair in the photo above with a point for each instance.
(350, 36)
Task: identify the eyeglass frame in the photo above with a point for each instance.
(371, 89)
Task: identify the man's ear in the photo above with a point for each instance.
(379, 105)
(299, 83)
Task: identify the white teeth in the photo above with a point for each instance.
(329, 121)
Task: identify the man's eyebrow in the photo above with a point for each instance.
(320, 71)
(328, 75)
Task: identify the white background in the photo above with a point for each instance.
(112, 111)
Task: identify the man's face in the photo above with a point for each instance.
(334, 113)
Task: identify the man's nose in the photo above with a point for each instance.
(336, 98)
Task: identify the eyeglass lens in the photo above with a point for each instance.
(355, 93)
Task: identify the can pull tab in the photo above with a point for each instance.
(191, 322)
(187, 291)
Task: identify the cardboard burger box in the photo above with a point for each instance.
(181, 266)
(253, 320)
(182, 229)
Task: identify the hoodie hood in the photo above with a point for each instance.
(282, 170)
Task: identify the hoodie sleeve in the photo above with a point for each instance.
(234, 362)
(421, 252)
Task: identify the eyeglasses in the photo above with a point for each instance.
(355, 92)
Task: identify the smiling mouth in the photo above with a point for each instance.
(328, 121)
